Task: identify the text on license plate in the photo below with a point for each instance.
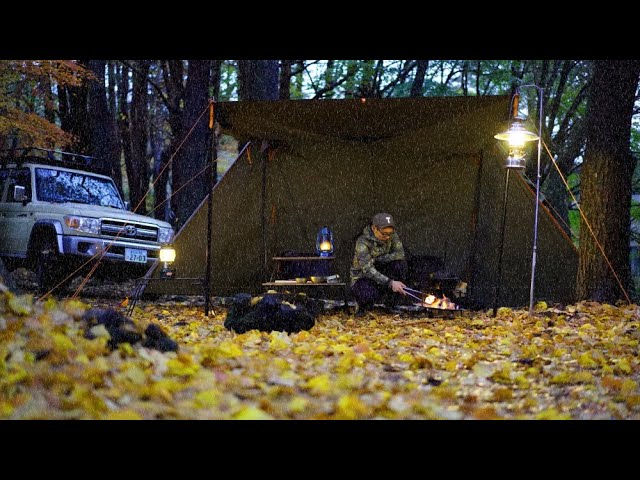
(135, 255)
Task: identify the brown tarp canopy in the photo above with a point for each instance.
(431, 162)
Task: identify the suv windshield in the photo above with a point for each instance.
(59, 186)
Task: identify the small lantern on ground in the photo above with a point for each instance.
(324, 242)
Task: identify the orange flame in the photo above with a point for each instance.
(443, 303)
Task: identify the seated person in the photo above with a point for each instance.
(379, 267)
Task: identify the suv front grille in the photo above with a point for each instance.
(130, 230)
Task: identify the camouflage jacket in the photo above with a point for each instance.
(369, 250)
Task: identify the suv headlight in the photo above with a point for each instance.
(83, 224)
(165, 235)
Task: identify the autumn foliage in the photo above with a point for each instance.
(26, 96)
(576, 362)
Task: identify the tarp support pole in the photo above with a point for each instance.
(470, 269)
(213, 170)
(265, 266)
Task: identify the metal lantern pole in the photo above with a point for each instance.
(504, 221)
(535, 222)
(517, 135)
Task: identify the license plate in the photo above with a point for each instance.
(135, 255)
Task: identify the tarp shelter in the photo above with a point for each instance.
(433, 163)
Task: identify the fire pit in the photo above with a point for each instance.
(431, 303)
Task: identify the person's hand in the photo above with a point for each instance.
(397, 286)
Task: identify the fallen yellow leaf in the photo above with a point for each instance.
(252, 413)
(123, 415)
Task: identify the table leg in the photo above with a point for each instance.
(346, 298)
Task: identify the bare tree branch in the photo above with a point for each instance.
(408, 66)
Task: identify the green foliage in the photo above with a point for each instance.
(228, 81)
(574, 224)
(635, 136)
(574, 214)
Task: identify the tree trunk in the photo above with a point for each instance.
(216, 69)
(102, 126)
(113, 113)
(80, 115)
(138, 167)
(77, 116)
(172, 73)
(298, 78)
(418, 81)
(606, 180)
(49, 107)
(190, 160)
(517, 72)
(465, 78)
(366, 89)
(285, 80)
(112, 89)
(123, 120)
(157, 137)
(63, 109)
(258, 79)
(329, 79)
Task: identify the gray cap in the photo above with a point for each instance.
(383, 220)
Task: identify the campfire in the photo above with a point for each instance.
(431, 301)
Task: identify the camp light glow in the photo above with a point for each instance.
(324, 242)
(516, 137)
(167, 256)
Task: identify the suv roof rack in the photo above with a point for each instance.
(46, 156)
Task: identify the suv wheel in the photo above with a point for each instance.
(49, 269)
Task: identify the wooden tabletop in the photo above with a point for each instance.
(294, 283)
(303, 258)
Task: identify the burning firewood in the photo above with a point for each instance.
(431, 301)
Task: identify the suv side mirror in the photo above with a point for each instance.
(20, 194)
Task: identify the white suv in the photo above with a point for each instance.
(55, 216)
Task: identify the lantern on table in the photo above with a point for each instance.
(324, 242)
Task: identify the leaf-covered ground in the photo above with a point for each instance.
(579, 362)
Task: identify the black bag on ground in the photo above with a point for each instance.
(123, 330)
(272, 311)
